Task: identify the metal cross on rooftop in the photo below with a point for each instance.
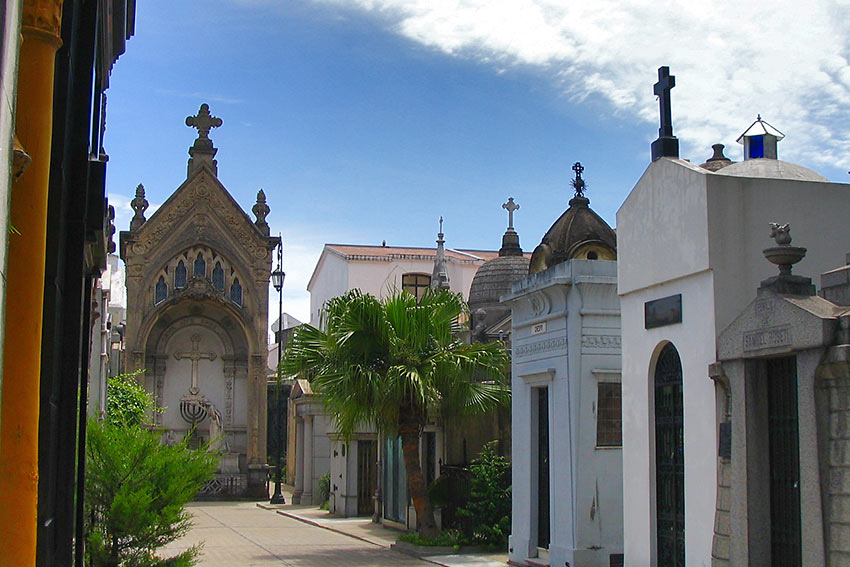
(203, 121)
(578, 182)
(666, 81)
(510, 206)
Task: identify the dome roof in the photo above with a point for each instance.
(578, 233)
(771, 168)
(494, 279)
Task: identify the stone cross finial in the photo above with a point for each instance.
(138, 204)
(510, 206)
(578, 183)
(203, 121)
(195, 355)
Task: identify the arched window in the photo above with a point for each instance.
(236, 292)
(200, 268)
(218, 277)
(180, 275)
(160, 290)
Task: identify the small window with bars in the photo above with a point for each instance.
(415, 284)
(609, 415)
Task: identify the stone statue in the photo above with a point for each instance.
(218, 440)
(781, 233)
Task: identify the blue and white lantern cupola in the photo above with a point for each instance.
(760, 140)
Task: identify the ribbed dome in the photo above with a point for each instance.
(578, 233)
(771, 168)
(494, 279)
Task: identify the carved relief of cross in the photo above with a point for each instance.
(510, 206)
(666, 81)
(195, 356)
(203, 121)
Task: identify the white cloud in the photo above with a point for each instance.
(787, 60)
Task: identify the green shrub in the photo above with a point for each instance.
(325, 490)
(446, 538)
(127, 401)
(136, 487)
(487, 513)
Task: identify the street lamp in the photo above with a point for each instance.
(277, 281)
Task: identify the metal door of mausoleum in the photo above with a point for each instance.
(784, 447)
(669, 459)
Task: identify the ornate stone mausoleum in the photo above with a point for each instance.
(197, 315)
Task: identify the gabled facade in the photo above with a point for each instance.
(197, 276)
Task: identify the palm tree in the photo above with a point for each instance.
(388, 362)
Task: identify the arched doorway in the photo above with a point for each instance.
(669, 459)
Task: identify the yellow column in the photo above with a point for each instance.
(40, 31)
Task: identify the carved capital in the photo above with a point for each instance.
(42, 18)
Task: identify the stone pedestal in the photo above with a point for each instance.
(257, 487)
(229, 463)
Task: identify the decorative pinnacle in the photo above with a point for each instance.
(578, 183)
(510, 206)
(261, 211)
(139, 204)
(203, 121)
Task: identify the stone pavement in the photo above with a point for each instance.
(251, 535)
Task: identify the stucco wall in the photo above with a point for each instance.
(694, 339)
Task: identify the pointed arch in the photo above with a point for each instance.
(160, 290)
(236, 292)
(199, 270)
(218, 277)
(180, 275)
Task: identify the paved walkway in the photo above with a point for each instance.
(251, 535)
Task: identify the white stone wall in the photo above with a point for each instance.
(566, 336)
(686, 230)
(694, 340)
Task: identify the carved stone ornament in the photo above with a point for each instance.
(139, 205)
(539, 304)
(163, 226)
(199, 288)
(261, 210)
(43, 16)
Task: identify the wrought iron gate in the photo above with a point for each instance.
(367, 475)
(669, 459)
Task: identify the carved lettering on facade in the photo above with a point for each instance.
(540, 346)
(767, 338)
(601, 342)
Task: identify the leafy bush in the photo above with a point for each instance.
(127, 401)
(325, 490)
(446, 538)
(136, 487)
(487, 512)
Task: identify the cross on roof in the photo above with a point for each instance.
(666, 81)
(510, 206)
(578, 182)
(203, 121)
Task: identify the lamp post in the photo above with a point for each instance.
(277, 281)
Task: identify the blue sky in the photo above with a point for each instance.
(367, 120)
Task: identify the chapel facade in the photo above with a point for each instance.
(197, 277)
